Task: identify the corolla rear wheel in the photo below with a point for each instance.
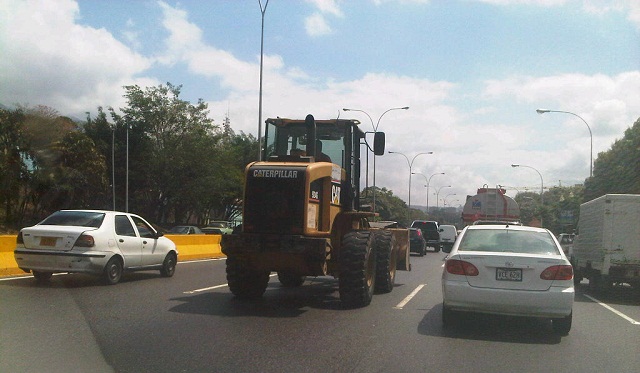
(113, 271)
(562, 325)
(42, 276)
(169, 265)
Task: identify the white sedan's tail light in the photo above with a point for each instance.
(559, 272)
(460, 267)
(85, 240)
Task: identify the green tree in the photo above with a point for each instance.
(617, 170)
(13, 170)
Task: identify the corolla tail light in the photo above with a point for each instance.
(460, 267)
(20, 239)
(559, 272)
(85, 240)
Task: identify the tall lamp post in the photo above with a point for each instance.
(542, 111)
(428, 180)
(410, 164)
(375, 129)
(541, 188)
(438, 194)
(263, 11)
(444, 200)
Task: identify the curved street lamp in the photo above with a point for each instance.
(263, 11)
(438, 194)
(444, 200)
(428, 180)
(410, 164)
(542, 111)
(375, 129)
(541, 187)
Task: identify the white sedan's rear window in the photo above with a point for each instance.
(75, 218)
(512, 241)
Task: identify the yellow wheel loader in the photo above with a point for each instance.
(301, 215)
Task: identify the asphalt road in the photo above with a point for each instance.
(192, 323)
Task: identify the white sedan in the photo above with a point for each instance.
(98, 242)
(508, 270)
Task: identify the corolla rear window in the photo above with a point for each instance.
(75, 218)
(512, 241)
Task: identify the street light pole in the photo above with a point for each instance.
(542, 111)
(438, 195)
(375, 129)
(541, 188)
(410, 164)
(428, 180)
(445, 198)
(263, 11)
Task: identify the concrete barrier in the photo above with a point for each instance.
(190, 247)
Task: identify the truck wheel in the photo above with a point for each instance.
(383, 243)
(243, 282)
(357, 275)
(437, 248)
(291, 280)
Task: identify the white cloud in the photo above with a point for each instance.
(327, 6)
(316, 25)
(49, 59)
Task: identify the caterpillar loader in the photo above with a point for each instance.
(301, 215)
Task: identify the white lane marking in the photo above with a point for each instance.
(409, 297)
(212, 287)
(634, 322)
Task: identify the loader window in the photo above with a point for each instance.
(280, 140)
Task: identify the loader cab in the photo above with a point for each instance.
(288, 140)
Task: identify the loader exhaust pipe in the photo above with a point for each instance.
(310, 123)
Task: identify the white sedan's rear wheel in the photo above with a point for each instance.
(41, 276)
(113, 271)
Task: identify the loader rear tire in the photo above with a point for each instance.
(383, 243)
(357, 276)
(243, 282)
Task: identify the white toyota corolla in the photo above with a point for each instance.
(98, 242)
(508, 270)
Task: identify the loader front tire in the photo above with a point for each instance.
(383, 244)
(243, 282)
(357, 275)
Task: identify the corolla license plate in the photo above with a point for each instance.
(508, 274)
(47, 241)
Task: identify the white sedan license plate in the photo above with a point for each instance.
(47, 241)
(508, 274)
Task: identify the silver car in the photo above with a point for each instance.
(104, 243)
(508, 270)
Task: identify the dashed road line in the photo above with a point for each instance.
(211, 288)
(634, 322)
(406, 300)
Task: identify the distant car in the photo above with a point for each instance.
(566, 241)
(508, 270)
(429, 231)
(448, 234)
(218, 227)
(417, 244)
(185, 229)
(98, 242)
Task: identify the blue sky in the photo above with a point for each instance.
(472, 73)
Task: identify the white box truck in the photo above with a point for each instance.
(607, 248)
